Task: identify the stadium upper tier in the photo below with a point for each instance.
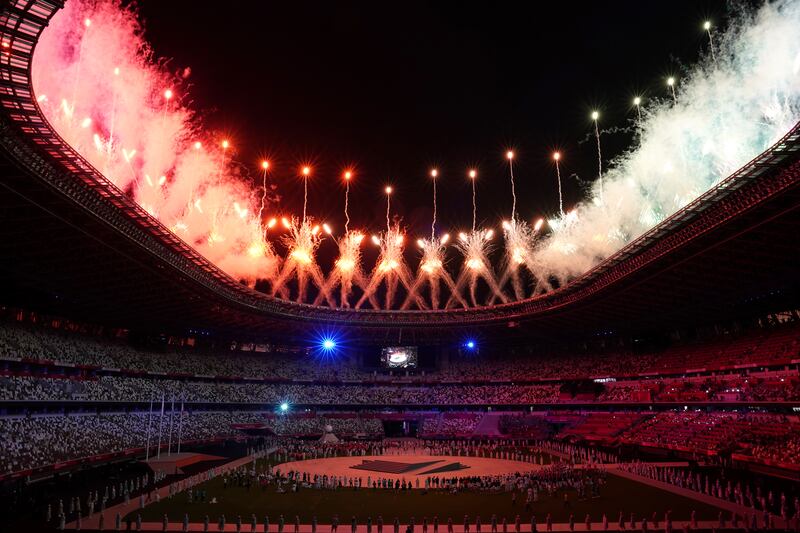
(756, 368)
(89, 250)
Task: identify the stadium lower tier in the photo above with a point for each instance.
(36, 443)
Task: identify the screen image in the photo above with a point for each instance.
(399, 357)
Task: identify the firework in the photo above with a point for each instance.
(388, 190)
(519, 240)
(434, 175)
(390, 269)
(475, 248)
(707, 27)
(305, 171)
(671, 85)
(302, 242)
(265, 168)
(510, 157)
(595, 117)
(431, 271)
(134, 126)
(557, 160)
(637, 103)
(348, 175)
(347, 270)
(473, 174)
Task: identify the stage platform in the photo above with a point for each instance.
(408, 467)
(176, 462)
(392, 467)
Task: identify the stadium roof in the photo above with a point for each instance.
(72, 243)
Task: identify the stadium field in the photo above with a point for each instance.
(618, 495)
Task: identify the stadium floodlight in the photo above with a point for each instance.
(284, 407)
(328, 344)
(470, 344)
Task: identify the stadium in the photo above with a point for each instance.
(182, 350)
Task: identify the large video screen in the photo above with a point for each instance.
(399, 357)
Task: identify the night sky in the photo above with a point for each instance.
(394, 89)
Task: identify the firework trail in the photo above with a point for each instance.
(637, 103)
(434, 175)
(671, 85)
(595, 117)
(707, 27)
(347, 176)
(472, 175)
(557, 159)
(264, 167)
(510, 157)
(306, 171)
(388, 191)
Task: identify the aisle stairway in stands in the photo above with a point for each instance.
(489, 426)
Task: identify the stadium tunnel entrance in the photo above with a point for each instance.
(400, 428)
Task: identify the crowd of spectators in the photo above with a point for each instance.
(785, 452)
(451, 424)
(779, 345)
(126, 388)
(715, 432)
(778, 386)
(522, 425)
(772, 386)
(288, 378)
(73, 349)
(31, 442)
(317, 425)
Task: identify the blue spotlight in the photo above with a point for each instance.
(328, 344)
(470, 345)
(284, 407)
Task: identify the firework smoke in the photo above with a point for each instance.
(102, 90)
(723, 117)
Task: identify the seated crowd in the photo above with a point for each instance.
(474, 383)
(35, 442)
(32, 442)
(780, 345)
(124, 388)
(774, 387)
